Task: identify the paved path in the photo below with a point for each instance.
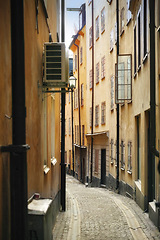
(100, 214)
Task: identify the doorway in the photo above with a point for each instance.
(103, 166)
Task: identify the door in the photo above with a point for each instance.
(103, 166)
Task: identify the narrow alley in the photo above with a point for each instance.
(97, 213)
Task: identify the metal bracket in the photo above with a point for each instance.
(15, 148)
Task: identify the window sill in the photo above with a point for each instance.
(97, 38)
(128, 22)
(112, 163)
(53, 161)
(139, 68)
(103, 31)
(129, 172)
(111, 50)
(122, 32)
(103, 78)
(129, 101)
(145, 58)
(46, 169)
(135, 74)
(123, 169)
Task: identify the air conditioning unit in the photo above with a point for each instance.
(56, 65)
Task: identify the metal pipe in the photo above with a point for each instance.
(63, 164)
(79, 111)
(92, 121)
(151, 166)
(117, 17)
(72, 132)
(18, 161)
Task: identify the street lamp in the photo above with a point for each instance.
(72, 86)
(72, 82)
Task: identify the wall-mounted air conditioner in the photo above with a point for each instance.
(55, 65)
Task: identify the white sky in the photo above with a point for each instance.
(72, 19)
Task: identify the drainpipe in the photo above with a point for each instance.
(117, 16)
(92, 122)
(152, 98)
(18, 156)
(79, 110)
(63, 164)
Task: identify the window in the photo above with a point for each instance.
(75, 63)
(121, 81)
(81, 55)
(103, 67)
(122, 21)
(129, 86)
(76, 98)
(139, 39)
(97, 115)
(128, 12)
(96, 160)
(103, 113)
(112, 92)
(129, 156)
(69, 126)
(115, 33)
(122, 155)
(90, 113)
(83, 133)
(111, 40)
(97, 72)
(82, 94)
(90, 37)
(90, 79)
(97, 27)
(145, 17)
(112, 144)
(103, 20)
(135, 50)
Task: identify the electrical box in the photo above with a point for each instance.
(55, 65)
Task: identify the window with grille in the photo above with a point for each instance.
(97, 72)
(122, 155)
(130, 156)
(103, 113)
(103, 20)
(115, 33)
(97, 115)
(90, 37)
(97, 27)
(90, 79)
(96, 160)
(103, 67)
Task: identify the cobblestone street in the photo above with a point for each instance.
(97, 213)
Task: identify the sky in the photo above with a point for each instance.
(72, 20)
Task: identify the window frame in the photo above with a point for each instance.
(102, 20)
(103, 113)
(103, 67)
(97, 115)
(97, 27)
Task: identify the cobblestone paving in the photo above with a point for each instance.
(96, 214)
